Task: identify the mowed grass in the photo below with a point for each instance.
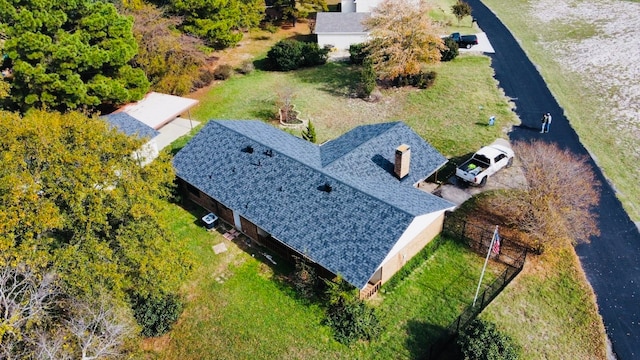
(613, 149)
(452, 115)
(238, 306)
(550, 310)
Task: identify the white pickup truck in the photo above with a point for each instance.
(486, 162)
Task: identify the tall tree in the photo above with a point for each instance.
(557, 206)
(73, 198)
(171, 60)
(70, 55)
(292, 10)
(403, 37)
(218, 22)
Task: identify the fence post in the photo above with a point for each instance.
(482, 302)
(506, 273)
(458, 324)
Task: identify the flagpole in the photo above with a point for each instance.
(486, 260)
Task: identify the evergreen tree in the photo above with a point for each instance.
(69, 55)
(310, 133)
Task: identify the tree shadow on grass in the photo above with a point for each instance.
(424, 340)
(335, 79)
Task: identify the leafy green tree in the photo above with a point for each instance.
(309, 133)
(461, 9)
(403, 38)
(218, 22)
(482, 341)
(73, 199)
(70, 55)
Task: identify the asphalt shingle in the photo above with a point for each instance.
(277, 181)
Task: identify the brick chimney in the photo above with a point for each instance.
(403, 156)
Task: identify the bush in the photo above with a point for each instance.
(482, 341)
(313, 55)
(351, 318)
(289, 55)
(223, 72)
(156, 314)
(305, 280)
(285, 55)
(357, 53)
(205, 77)
(247, 67)
(451, 51)
(422, 80)
(367, 80)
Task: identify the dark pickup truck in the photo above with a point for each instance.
(464, 41)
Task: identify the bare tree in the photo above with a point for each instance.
(32, 324)
(557, 207)
(24, 299)
(99, 329)
(403, 38)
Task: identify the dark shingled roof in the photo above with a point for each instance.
(342, 23)
(280, 186)
(130, 125)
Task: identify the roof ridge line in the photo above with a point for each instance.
(321, 169)
(395, 123)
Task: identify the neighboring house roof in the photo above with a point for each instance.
(157, 109)
(341, 23)
(277, 181)
(130, 125)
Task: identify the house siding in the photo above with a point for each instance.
(392, 265)
(340, 41)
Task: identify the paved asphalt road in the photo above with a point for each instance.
(612, 260)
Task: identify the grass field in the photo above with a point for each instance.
(462, 98)
(238, 306)
(589, 101)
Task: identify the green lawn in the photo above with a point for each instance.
(238, 307)
(452, 115)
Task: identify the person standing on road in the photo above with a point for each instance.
(544, 123)
(548, 122)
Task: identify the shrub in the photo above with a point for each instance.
(246, 67)
(289, 55)
(482, 341)
(451, 51)
(351, 318)
(313, 55)
(305, 280)
(367, 80)
(205, 77)
(285, 55)
(422, 80)
(223, 72)
(156, 314)
(357, 53)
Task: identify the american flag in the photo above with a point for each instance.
(496, 244)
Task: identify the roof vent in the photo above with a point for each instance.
(268, 152)
(326, 187)
(403, 157)
(248, 149)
